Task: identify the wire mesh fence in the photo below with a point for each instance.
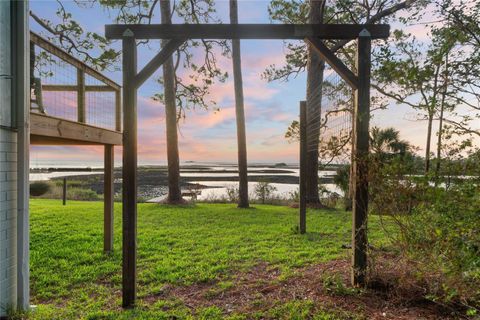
(50, 70)
(64, 87)
(99, 106)
(329, 119)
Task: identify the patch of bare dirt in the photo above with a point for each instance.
(260, 289)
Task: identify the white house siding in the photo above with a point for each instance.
(14, 82)
(8, 220)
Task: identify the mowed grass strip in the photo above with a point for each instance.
(71, 277)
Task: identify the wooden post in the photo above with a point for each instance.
(303, 167)
(81, 96)
(360, 170)
(129, 183)
(64, 191)
(108, 203)
(118, 110)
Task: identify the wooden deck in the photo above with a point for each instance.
(48, 130)
(60, 69)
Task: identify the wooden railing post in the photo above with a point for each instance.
(303, 168)
(118, 110)
(360, 161)
(81, 96)
(108, 195)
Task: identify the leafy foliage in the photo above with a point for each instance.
(437, 219)
(264, 191)
(91, 47)
(39, 188)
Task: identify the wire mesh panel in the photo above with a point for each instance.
(336, 120)
(99, 105)
(64, 87)
(329, 121)
(50, 70)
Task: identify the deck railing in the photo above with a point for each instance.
(65, 87)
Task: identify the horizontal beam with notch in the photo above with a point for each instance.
(246, 31)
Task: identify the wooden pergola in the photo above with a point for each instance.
(177, 35)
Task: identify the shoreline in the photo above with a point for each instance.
(153, 180)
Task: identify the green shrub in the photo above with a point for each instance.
(437, 230)
(264, 191)
(233, 194)
(442, 237)
(39, 188)
(82, 194)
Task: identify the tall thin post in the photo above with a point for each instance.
(303, 167)
(64, 191)
(108, 193)
(81, 96)
(118, 110)
(129, 184)
(360, 163)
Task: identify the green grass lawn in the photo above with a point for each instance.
(178, 247)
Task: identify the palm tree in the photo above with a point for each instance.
(174, 192)
(386, 143)
(240, 113)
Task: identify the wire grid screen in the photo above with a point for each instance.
(329, 122)
(51, 70)
(99, 105)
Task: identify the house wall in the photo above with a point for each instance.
(8, 165)
(13, 151)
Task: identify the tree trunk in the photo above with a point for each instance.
(440, 124)
(174, 192)
(240, 113)
(315, 68)
(429, 138)
(439, 141)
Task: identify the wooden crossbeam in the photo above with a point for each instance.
(49, 130)
(246, 31)
(336, 64)
(157, 61)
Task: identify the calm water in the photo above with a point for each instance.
(50, 175)
(217, 189)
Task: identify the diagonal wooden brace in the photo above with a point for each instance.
(328, 56)
(157, 61)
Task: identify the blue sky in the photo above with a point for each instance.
(208, 135)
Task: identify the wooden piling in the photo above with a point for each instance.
(360, 163)
(303, 168)
(108, 195)
(129, 174)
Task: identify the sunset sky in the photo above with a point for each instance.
(209, 135)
